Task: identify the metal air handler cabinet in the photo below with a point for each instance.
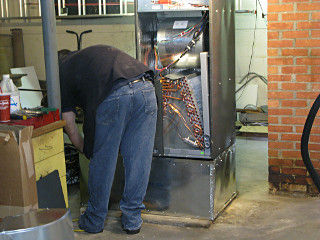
(190, 46)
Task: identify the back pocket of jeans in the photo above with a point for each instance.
(108, 111)
(150, 101)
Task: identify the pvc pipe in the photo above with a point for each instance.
(50, 53)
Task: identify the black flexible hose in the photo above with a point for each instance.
(305, 141)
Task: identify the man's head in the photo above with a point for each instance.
(62, 54)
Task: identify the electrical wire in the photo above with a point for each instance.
(252, 51)
(191, 44)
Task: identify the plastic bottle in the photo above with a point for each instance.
(8, 87)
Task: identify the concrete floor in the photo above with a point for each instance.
(254, 214)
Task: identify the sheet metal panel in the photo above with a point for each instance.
(222, 75)
(48, 224)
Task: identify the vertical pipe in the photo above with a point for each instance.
(100, 9)
(83, 7)
(79, 7)
(25, 8)
(125, 6)
(104, 7)
(20, 8)
(39, 8)
(121, 7)
(50, 53)
(63, 3)
(7, 9)
(59, 7)
(2, 8)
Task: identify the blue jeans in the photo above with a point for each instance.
(125, 120)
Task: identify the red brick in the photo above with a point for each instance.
(294, 171)
(280, 61)
(294, 52)
(308, 61)
(272, 70)
(273, 153)
(279, 78)
(273, 52)
(280, 129)
(304, 112)
(281, 43)
(311, 146)
(280, 162)
(291, 137)
(315, 52)
(273, 17)
(294, 70)
(280, 8)
(273, 119)
(316, 15)
(315, 33)
(307, 43)
(280, 25)
(308, 6)
(307, 95)
(272, 136)
(294, 103)
(314, 138)
(273, 1)
(280, 95)
(315, 86)
(314, 155)
(291, 154)
(273, 170)
(273, 86)
(280, 145)
(273, 103)
(293, 120)
(308, 25)
(315, 70)
(294, 16)
(280, 111)
(273, 35)
(314, 130)
(293, 86)
(308, 78)
(295, 34)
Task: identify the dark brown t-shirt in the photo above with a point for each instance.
(87, 78)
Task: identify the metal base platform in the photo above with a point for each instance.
(48, 224)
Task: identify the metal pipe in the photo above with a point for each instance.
(121, 6)
(7, 9)
(63, 3)
(50, 53)
(83, 7)
(59, 7)
(104, 7)
(2, 8)
(100, 9)
(25, 8)
(20, 8)
(79, 7)
(39, 8)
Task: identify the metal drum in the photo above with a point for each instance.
(48, 224)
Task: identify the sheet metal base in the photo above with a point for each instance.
(186, 187)
(48, 224)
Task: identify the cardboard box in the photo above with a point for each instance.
(18, 189)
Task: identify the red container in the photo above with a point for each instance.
(4, 107)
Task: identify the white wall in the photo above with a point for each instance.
(115, 31)
(245, 27)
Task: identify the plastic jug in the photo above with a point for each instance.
(7, 87)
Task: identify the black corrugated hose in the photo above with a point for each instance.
(305, 141)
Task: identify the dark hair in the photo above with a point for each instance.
(62, 54)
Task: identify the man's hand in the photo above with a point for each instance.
(72, 130)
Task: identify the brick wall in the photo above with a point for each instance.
(294, 83)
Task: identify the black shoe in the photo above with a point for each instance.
(131, 232)
(90, 231)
